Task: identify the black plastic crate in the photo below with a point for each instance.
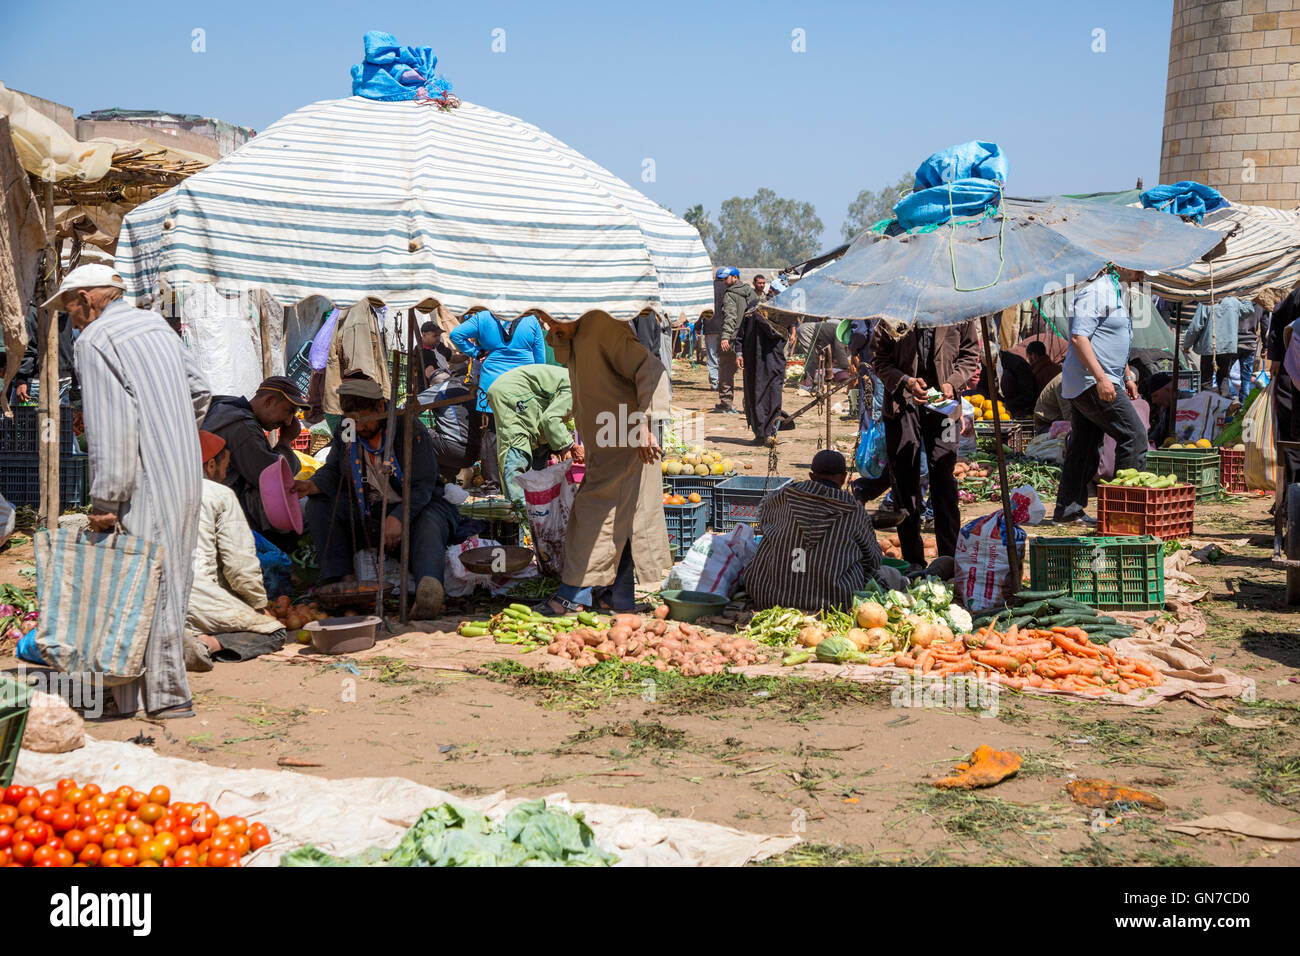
(736, 500)
(20, 479)
(22, 433)
(686, 523)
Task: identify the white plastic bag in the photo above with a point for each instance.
(1026, 506)
(548, 500)
(966, 445)
(981, 559)
(458, 580)
(8, 517)
(714, 562)
(1199, 416)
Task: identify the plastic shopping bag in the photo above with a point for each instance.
(97, 593)
(981, 559)
(548, 500)
(1026, 506)
(459, 581)
(870, 460)
(1257, 436)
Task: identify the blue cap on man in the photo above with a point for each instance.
(725, 271)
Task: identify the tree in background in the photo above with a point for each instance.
(763, 229)
(698, 218)
(871, 207)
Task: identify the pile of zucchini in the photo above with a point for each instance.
(1048, 609)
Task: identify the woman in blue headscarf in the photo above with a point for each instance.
(497, 347)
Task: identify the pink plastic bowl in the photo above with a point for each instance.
(275, 484)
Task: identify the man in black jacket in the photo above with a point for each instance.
(347, 494)
(33, 358)
(1287, 419)
(243, 423)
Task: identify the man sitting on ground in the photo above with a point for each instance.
(818, 546)
(228, 600)
(347, 496)
(243, 424)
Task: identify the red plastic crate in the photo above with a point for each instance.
(302, 442)
(1232, 471)
(1164, 513)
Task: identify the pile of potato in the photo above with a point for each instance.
(970, 469)
(659, 643)
(892, 546)
(294, 616)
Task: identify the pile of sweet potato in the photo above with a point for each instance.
(659, 643)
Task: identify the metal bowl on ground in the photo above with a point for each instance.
(884, 520)
(346, 594)
(343, 635)
(688, 605)
(497, 559)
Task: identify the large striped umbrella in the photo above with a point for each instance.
(406, 202)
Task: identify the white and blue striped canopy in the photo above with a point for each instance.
(405, 202)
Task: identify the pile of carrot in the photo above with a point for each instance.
(1060, 659)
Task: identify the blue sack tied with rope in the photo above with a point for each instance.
(959, 181)
(1190, 199)
(392, 72)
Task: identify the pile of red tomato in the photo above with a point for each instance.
(85, 826)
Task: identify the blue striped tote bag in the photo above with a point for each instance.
(97, 594)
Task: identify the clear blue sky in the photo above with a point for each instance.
(713, 92)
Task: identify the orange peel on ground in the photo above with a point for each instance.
(985, 768)
(1095, 792)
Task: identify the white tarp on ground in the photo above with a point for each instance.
(343, 817)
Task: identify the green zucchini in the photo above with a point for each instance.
(1024, 596)
(1068, 620)
(1022, 620)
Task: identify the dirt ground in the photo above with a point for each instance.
(836, 763)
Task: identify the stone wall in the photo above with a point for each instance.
(1232, 101)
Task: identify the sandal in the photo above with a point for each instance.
(601, 601)
(168, 713)
(546, 608)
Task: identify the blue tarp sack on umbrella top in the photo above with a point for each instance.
(959, 181)
(1187, 198)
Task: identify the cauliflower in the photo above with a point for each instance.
(960, 619)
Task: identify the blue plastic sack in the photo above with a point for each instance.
(392, 72)
(870, 459)
(277, 569)
(1186, 198)
(28, 651)
(959, 181)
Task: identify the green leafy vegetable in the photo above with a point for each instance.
(532, 834)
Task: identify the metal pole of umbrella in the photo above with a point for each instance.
(47, 345)
(1009, 527)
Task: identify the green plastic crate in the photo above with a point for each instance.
(15, 701)
(1112, 574)
(1198, 468)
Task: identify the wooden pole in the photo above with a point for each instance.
(388, 454)
(1009, 526)
(408, 437)
(265, 329)
(826, 390)
(1178, 347)
(49, 426)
